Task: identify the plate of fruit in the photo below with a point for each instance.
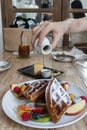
(45, 103)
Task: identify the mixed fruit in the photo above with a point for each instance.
(16, 89)
(38, 112)
(32, 112)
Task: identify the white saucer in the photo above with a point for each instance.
(4, 65)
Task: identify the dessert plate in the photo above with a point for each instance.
(10, 102)
(4, 65)
(29, 71)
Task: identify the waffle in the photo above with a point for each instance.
(57, 100)
(34, 91)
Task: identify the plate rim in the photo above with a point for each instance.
(38, 124)
(6, 68)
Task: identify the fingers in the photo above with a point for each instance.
(38, 30)
(55, 40)
(47, 27)
(44, 33)
(35, 35)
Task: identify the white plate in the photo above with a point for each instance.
(63, 57)
(4, 65)
(9, 103)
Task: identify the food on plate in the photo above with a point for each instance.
(57, 100)
(20, 112)
(41, 118)
(65, 85)
(76, 99)
(41, 103)
(84, 98)
(39, 110)
(47, 100)
(34, 91)
(12, 86)
(31, 91)
(40, 114)
(25, 107)
(28, 112)
(25, 116)
(16, 89)
(37, 68)
(76, 108)
(72, 96)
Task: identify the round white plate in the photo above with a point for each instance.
(64, 58)
(10, 102)
(4, 65)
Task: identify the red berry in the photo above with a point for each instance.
(38, 110)
(84, 98)
(16, 90)
(25, 116)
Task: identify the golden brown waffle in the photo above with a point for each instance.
(57, 100)
(33, 91)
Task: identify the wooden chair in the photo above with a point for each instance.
(11, 38)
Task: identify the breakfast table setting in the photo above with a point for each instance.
(66, 66)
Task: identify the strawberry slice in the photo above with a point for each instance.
(84, 98)
(38, 110)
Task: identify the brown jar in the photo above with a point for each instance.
(24, 50)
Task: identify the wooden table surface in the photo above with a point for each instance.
(72, 72)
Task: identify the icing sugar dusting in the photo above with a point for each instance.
(58, 94)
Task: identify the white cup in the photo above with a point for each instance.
(45, 48)
(46, 73)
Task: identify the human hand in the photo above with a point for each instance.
(58, 29)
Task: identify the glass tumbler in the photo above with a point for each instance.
(24, 49)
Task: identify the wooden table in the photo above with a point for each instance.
(72, 72)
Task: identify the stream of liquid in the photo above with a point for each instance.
(43, 60)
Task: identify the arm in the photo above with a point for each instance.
(76, 25)
(58, 29)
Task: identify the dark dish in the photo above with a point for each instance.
(29, 71)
